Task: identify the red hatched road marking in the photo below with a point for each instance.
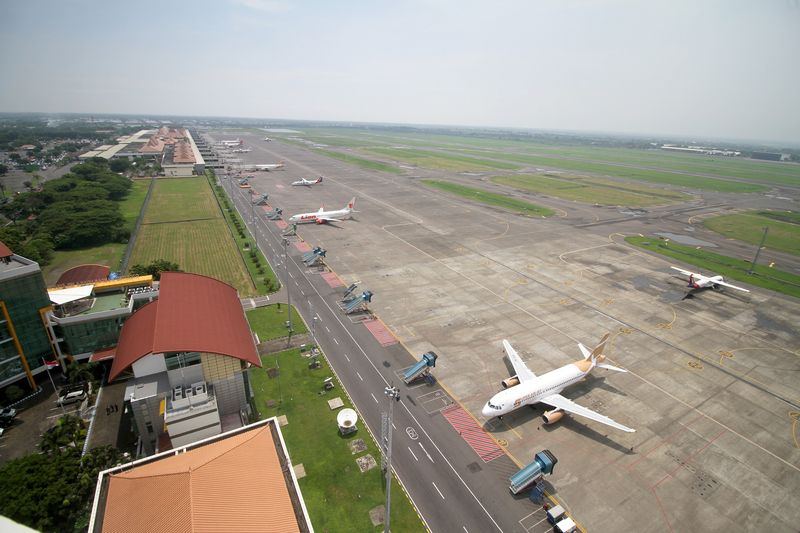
(266, 208)
(379, 331)
(472, 433)
(281, 224)
(332, 279)
(302, 246)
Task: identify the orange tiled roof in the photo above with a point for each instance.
(234, 484)
(183, 153)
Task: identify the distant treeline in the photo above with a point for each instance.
(78, 210)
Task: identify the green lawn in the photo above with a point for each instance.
(653, 176)
(270, 322)
(440, 160)
(131, 206)
(360, 161)
(490, 198)
(181, 199)
(337, 495)
(749, 227)
(792, 217)
(591, 190)
(728, 267)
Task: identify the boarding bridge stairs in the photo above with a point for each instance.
(291, 231)
(421, 369)
(359, 303)
(275, 214)
(314, 257)
(349, 293)
(261, 200)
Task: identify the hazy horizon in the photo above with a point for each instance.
(717, 70)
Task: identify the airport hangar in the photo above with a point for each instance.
(712, 382)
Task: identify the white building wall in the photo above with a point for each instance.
(149, 364)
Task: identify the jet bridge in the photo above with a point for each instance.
(359, 303)
(314, 256)
(349, 294)
(421, 369)
(533, 474)
(290, 231)
(275, 214)
(261, 200)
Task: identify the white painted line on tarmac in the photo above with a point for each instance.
(465, 529)
(348, 359)
(336, 341)
(373, 397)
(437, 489)
(290, 275)
(359, 376)
(426, 451)
(413, 454)
(327, 329)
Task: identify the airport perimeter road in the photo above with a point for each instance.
(451, 485)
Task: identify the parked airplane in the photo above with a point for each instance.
(322, 216)
(526, 388)
(268, 167)
(307, 183)
(699, 281)
(235, 142)
(240, 150)
(267, 139)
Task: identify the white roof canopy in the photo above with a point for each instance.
(62, 296)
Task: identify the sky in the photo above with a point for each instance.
(712, 69)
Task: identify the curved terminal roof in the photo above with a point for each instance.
(84, 274)
(5, 251)
(193, 313)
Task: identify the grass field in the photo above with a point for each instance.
(591, 190)
(490, 198)
(653, 176)
(179, 199)
(791, 217)
(360, 161)
(109, 255)
(440, 160)
(728, 267)
(337, 495)
(749, 227)
(201, 244)
(269, 322)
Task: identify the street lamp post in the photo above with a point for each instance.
(393, 393)
(288, 290)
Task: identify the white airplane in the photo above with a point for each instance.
(240, 150)
(268, 167)
(307, 183)
(235, 142)
(526, 388)
(699, 281)
(322, 216)
(267, 139)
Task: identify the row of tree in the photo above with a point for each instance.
(78, 210)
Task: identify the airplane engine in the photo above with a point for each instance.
(551, 417)
(510, 382)
(319, 221)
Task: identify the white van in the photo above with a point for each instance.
(71, 397)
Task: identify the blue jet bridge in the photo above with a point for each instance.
(261, 200)
(349, 293)
(275, 214)
(359, 303)
(290, 231)
(543, 463)
(312, 258)
(421, 368)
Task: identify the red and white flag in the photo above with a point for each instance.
(50, 364)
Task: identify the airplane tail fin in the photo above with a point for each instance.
(319, 180)
(351, 205)
(596, 355)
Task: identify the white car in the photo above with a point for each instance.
(71, 397)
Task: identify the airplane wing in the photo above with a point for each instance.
(565, 404)
(725, 284)
(328, 219)
(686, 272)
(523, 372)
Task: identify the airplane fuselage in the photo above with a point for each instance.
(533, 391)
(704, 283)
(307, 218)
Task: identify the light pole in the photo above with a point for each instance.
(288, 291)
(758, 250)
(393, 393)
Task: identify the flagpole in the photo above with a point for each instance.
(64, 411)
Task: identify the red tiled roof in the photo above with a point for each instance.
(102, 355)
(84, 274)
(193, 313)
(183, 153)
(5, 251)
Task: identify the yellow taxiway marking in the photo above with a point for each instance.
(668, 325)
(723, 354)
(697, 365)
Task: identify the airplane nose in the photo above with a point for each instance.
(486, 411)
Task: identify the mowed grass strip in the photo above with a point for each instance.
(270, 322)
(591, 190)
(440, 160)
(749, 227)
(360, 161)
(200, 246)
(490, 198)
(728, 267)
(180, 199)
(653, 176)
(791, 217)
(337, 494)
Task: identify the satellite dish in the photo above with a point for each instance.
(347, 418)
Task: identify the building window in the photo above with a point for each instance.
(182, 360)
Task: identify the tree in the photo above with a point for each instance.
(3, 169)
(155, 268)
(119, 165)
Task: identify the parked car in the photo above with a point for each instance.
(7, 416)
(72, 395)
